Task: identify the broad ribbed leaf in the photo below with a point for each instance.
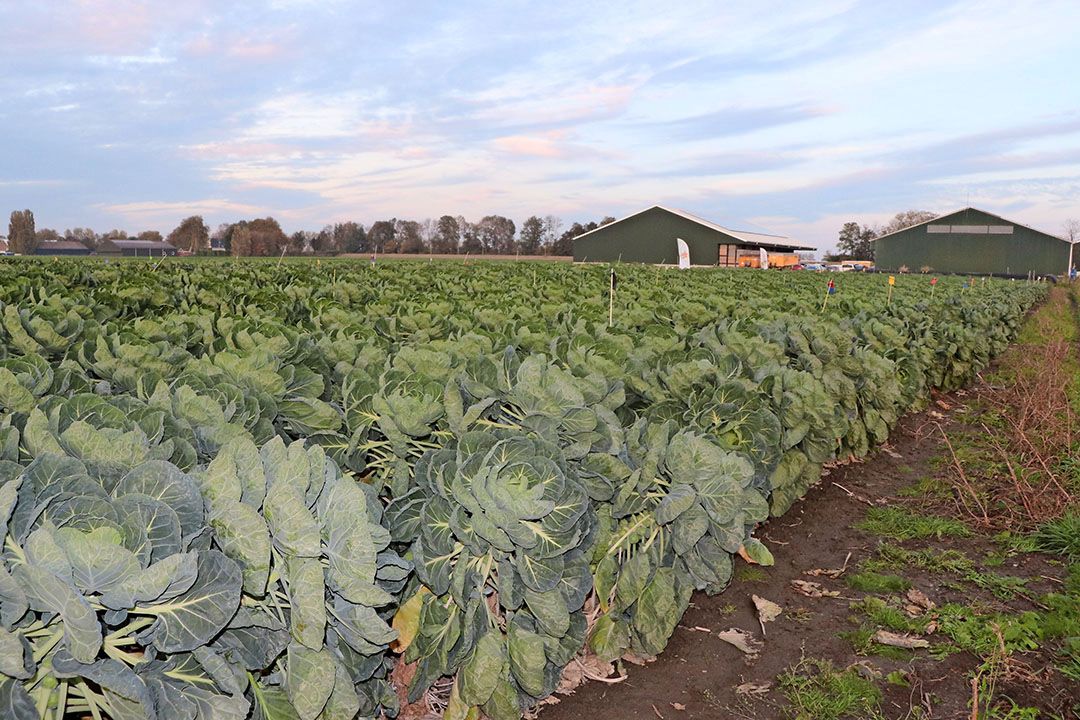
(481, 672)
(307, 600)
(197, 615)
(291, 523)
(48, 593)
(15, 703)
(310, 679)
(162, 581)
(158, 521)
(164, 481)
(243, 536)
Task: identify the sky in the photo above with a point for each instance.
(784, 117)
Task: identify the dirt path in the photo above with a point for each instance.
(700, 676)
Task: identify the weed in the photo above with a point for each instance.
(900, 524)
(818, 691)
(1060, 536)
(1013, 543)
(801, 614)
(749, 573)
(728, 609)
(927, 487)
(888, 616)
(948, 561)
(862, 643)
(872, 582)
(898, 677)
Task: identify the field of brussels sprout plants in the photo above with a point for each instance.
(233, 490)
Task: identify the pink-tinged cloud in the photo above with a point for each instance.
(165, 214)
(249, 50)
(519, 104)
(546, 145)
(238, 150)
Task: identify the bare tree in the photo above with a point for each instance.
(1071, 230)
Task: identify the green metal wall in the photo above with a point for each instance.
(649, 237)
(1021, 252)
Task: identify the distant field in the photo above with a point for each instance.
(448, 256)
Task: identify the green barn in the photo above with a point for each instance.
(649, 236)
(975, 242)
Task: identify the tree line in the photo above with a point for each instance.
(449, 234)
(856, 241)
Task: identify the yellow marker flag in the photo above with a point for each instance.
(892, 280)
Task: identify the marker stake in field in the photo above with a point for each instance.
(892, 282)
(611, 299)
(933, 287)
(282, 256)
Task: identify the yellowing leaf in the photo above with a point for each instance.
(407, 620)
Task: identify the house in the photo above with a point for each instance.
(649, 236)
(972, 241)
(133, 247)
(61, 247)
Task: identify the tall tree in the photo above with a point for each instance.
(381, 237)
(552, 229)
(115, 234)
(298, 242)
(152, 235)
(906, 219)
(349, 237)
(531, 236)
(192, 234)
(855, 242)
(260, 237)
(470, 237)
(240, 240)
(86, 236)
(22, 239)
(267, 237)
(447, 235)
(1071, 230)
(323, 241)
(565, 244)
(46, 235)
(223, 235)
(410, 236)
(497, 234)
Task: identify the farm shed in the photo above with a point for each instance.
(649, 236)
(62, 247)
(975, 242)
(136, 248)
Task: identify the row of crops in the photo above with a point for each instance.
(248, 490)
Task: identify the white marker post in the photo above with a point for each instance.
(611, 299)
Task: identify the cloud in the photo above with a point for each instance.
(553, 144)
(167, 214)
(735, 121)
(152, 58)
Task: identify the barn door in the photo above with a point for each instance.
(727, 256)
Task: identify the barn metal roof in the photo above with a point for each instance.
(136, 244)
(746, 236)
(957, 212)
